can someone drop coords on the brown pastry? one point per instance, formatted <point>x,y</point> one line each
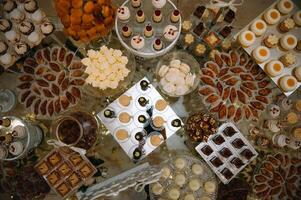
<point>73,180</point>
<point>212,39</point>
<point>63,189</point>
<point>86,170</point>
<point>43,168</point>
<point>53,178</point>
<point>64,169</point>
<point>76,159</point>
<point>54,159</point>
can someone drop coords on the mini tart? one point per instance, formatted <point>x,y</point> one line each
<point>157,44</point>
<point>297,73</point>
<point>288,59</point>
<point>272,16</point>
<point>122,134</point>
<point>200,49</point>
<point>288,83</point>
<point>285,6</point>
<point>186,26</point>
<point>261,54</point>
<point>297,18</point>
<point>274,68</point>
<point>157,16</point>
<point>246,38</point>
<point>288,42</point>
<point>21,48</point>
<point>258,27</point>
<point>189,39</point>
<point>271,41</point>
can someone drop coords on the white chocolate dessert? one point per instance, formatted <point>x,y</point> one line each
<point>170,33</point>
<point>288,42</point>
<point>47,28</point>
<point>272,16</point>
<point>34,38</point>
<point>258,27</point>
<point>12,36</point>
<point>261,54</point>
<point>285,6</point>
<point>16,148</point>
<point>247,38</point>
<point>274,68</point>
<point>123,13</point>
<point>288,83</point>
<point>137,42</point>
<point>17,15</point>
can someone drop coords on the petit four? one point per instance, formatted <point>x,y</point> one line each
<point>274,68</point>
<point>288,42</point>
<point>200,49</point>
<point>180,163</point>
<point>124,117</point>
<point>7,59</point>
<point>136,3</point>
<point>47,28</point>
<point>53,178</point>
<point>297,73</point>
<point>8,5</point>
<point>170,33</point>
<point>261,54</point>
<point>297,18</point>
<point>288,83</point>
<point>287,25</point>
<point>123,13</point>
<point>199,29</point>
<point>37,16</point>
<point>174,194</point>
<point>230,16</point>
<point>122,134</point>
<point>272,16</point>
<point>86,170</point>
<point>288,59</point>
<point>5,25</point>
<point>156,140</point>
<point>246,38</point>
<point>210,186</point>
<point>175,16</point>
<point>292,118</point>
<point>271,41</point>
<point>148,31</point>
<point>126,31</point>
<point>285,6</point>
<point>212,39</point>
<point>63,189</point>
<point>226,31</point>
<point>3,48</point>
<point>30,6</point>
<point>12,36</point>
<point>166,172</point>
<point>258,27</point>
<point>73,179</point>
<point>189,197</point>
<point>157,188</point>
<point>197,169</point>
<point>199,11</point>
<point>180,179</point>
<point>161,104</point>
<point>157,16</point>
<point>158,44</point>
<point>138,42</point>
<point>186,26</point>
<point>16,148</point>
<point>189,39</point>
<point>43,168</point>
<point>140,16</point>
<point>158,122</point>
<point>194,184</point>
<point>274,111</point>
<point>124,100</point>
<point>34,38</point>
<point>76,159</point>
<point>21,48</point>
<point>64,169</point>
<point>159,3</point>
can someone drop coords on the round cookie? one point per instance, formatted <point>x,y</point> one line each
<point>157,188</point>
<point>197,169</point>
<point>180,163</point>
<point>174,194</point>
<point>194,185</point>
<point>210,186</point>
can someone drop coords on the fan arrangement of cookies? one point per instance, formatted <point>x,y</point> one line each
<point>227,152</point>
<point>65,170</point>
<point>273,40</point>
<point>146,32</point>
<point>140,120</point>
<point>186,178</point>
<point>24,26</point>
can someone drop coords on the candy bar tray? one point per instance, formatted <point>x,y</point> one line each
<point>74,169</point>
<point>138,29</point>
<point>226,144</point>
<point>276,52</point>
<point>169,182</point>
<point>113,124</point>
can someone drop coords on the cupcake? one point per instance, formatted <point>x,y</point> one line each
<point>136,3</point>
<point>159,3</point>
<point>12,36</point>
<point>288,83</point>
<point>200,49</point>
<point>37,16</point>
<point>5,25</point>
<point>7,59</point>
<point>288,59</point>
<point>34,38</point>
<point>186,26</point>
<point>123,13</point>
<point>246,38</point>
<point>21,48</point>
<point>3,48</point>
<point>287,25</point>
<point>189,39</point>
<point>297,73</point>
<point>126,31</point>
<point>137,42</point>
<point>26,27</point>
<point>157,44</point>
<point>47,28</point>
<point>261,54</point>
<point>285,6</point>
<point>157,16</point>
<point>30,6</point>
<point>170,33</point>
<point>297,18</point>
<point>175,16</point>
<point>272,16</point>
<point>9,5</point>
<point>148,31</point>
<point>140,17</point>
<point>288,42</point>
<point>274,68</point>
<point>271,41</point>
<point>258,27</point>
<point>17,16</point>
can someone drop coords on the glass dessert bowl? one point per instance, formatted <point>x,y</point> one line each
<point>177,74</point>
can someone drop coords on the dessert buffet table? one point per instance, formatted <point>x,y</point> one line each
<point>174,102</point>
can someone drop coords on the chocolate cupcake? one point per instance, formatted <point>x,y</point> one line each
<point>26,27</point>
<point>9,5</point>
<point>21,48</point>
<point>30,6</point>
<point>3,48</point>
<point>5,25</point>
<point>47,28</point>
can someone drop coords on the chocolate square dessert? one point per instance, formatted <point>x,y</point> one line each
<point>212,39</point>
<point>53,178</point>
<point>199,29</point>
<point>226,31</point>
<point>54,159</point>
<point>227,173</point>
<point>230,16</point>
<point>63,189</point>
<point>199,11</point>
<point>74,180</point>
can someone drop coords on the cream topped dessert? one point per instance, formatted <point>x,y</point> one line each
<point>159,3</point>
<point>246,38</point>
<point>123,13</point>
<point>37,16</point>
<point>34,38</point>
<point>9,5</point>
<point>272,16</point>
<point>137,42</point>
<point>16,148</point>
<point>274,68</point>
<point>271,41</point>
<point>274,111</point>
<point>170,32</point>
<point>17,16</point>
<point>7,59</point>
